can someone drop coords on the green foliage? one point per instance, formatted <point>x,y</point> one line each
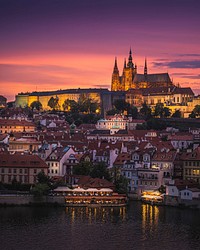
<point>43,178</point>
<point>141,126</point>
<point>196,112</point>
<point>43,185</point>
<point>84,105</point>
<point>36,105</point>
<point>121,105</point>
<point>161,111</point>
<point>145,111</point>
<point>156,124</point>
<point>70,105</point>
<point>83,168</point>
<point>98,170</point>
<point>176,114</point>
<point>40,189</point>
<point>53,103</point>
<point>133,111</point>
<point>121,185</point>
<point>112,112</point>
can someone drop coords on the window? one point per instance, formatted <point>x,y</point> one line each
<point>2,170</point>
<point>20,171</point>
<point>35,171</point>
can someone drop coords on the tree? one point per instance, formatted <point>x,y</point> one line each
<point>83,168</point>
<point>121,185</point>
<point>156,124</point>
<point>121,105</point>
<point>100,170</point>
<point>53,103</point>
<point>161,111</point>
<point>43,178</point>
<point>43,185</point>
<point>40,189</point>
<point>133,111</point>
<point>177,114</point>
<point>196,112</point>
<point>112,112</point>
<point>36,105</point>
<point>166,112</point>
<point>145,111</point>
<point>158,112</point>
<point>71,105</point>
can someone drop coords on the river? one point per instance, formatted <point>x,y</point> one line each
<point>138,226</point>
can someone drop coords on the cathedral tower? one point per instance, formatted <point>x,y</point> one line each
<point>115,85</point>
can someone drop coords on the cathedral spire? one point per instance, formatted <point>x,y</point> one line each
<point>130,62</point>
<point>145,67</point>
<point>115,70</point>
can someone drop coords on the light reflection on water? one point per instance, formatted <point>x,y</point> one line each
<point>138,226</point>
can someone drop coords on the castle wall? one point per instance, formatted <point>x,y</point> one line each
<point>21,100</point>
<point>26,100</point>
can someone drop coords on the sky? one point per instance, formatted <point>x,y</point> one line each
<point>60,44</point>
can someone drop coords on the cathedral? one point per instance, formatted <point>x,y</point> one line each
<point>130,79</point>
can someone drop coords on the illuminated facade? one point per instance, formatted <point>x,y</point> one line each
<point>96,95</point>
<point>130,79</point>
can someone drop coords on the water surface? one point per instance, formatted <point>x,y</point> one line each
<point>139,226</point>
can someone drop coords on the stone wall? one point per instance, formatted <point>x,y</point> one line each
<point>30,199</point>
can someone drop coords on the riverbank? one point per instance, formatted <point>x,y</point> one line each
<point>30,200</point>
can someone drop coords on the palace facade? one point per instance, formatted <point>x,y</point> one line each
<point>130,79</point>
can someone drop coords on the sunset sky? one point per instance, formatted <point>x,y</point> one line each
<point>60,44</point>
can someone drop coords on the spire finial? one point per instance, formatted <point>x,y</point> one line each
<point>115,66</point>
<point>145,66</point>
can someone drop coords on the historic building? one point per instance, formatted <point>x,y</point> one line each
<point>130,79</point>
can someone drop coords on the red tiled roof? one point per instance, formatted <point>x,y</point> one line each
<point>20,161</point>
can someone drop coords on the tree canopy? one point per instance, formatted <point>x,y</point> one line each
<point>98,170</point>
<point>36,105</point>
<point>196,112</point>
<point>83,105</point>
<point>161,111</point>
<point>53,103</point>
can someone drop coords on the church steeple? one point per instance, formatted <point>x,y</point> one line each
<point>130,62</point>
<point>145,67</point>
<point>115,85</point>
<point>115,70</point>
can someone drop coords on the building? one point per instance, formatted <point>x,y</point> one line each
<point>3,101</point>
<point>118,122</point>
<point>57,159</point>
<point>130,79</point>
<point>22,168</point>
<point>102,96</point>
<point>191,165</point>
<point>28,144</point>
<point>13,125</point>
